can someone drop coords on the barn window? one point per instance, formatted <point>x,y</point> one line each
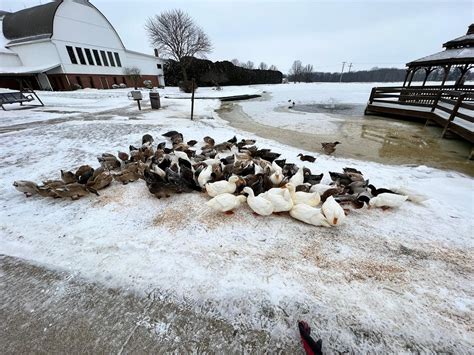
<point>80,54</point>
<point>158,66</point>
<point>72,56</point>
<point>96,56</point>
<point>117,59</point>
<point>89,56</point>
<point>104,58</point>
<point>111,59</point>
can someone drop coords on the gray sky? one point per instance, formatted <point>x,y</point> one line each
<point>368,33</point>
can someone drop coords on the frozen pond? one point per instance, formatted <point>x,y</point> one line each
<point>328,113</point>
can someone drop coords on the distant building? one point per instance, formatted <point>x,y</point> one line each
<point>59,44</point>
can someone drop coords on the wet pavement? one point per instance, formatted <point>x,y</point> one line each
<point>373,138</point>
<point>45,311</point>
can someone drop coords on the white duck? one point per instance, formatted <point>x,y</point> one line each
<point>179,154</point>
<point>158,170</point>
<point>225,202</point>
<point>298,178</point>
<point>277,177</point>
<point>258,204</point>
<point>387,200</point>
<point>211,161</point>
<point>333,211</point>
<point>308,198</point>
<point>320,188</point>
<point>310,215</point>
<point>205,176</point>
<point>280,199</point>
<point>219,187</point>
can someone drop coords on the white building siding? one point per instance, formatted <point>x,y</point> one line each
<point>9,60</point>
<point>147,64</point>
<point>33,54</point>
<point>84,25</point>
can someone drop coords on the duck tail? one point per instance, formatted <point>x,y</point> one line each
<point>94,191</point>
<point>412,195</point>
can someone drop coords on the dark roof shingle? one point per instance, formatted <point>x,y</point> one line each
<point>30,22</point>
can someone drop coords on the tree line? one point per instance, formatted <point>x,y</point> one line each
<point>305,73</point>
<point>251,65</point>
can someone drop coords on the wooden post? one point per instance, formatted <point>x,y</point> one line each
<point>435,102</point>
<point>446,73</point>
<point>372,94</point>
<point>461,79</point>
<point>427,74</point>
<point>453,114</point>
<point>139,107</point>
<point>412,75</point>
<point>406,77</point>
<point>192,98</point>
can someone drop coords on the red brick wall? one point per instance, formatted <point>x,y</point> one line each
<point>62,82</point>
<point>104,81</point>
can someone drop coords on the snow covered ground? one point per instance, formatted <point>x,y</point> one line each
<point>397,281</point>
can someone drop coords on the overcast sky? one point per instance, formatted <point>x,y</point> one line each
<point>323,33</point>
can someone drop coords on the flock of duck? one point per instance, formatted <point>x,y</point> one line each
<point>231,173</point>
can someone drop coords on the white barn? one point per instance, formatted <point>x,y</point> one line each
<point>65,43</point>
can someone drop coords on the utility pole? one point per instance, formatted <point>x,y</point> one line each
<point>350,66</point>
<point>342,71</point>
<point>193,83</point>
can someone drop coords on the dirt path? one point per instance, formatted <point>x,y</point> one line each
<point>371,138</point>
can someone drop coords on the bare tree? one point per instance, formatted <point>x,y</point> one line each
<point>248,65</point>
<point>134,74</point>
<point>296,71</point>
<point>236,62</point>
<point>273,67</point>
<point>263,66</point>
<point>306,74</point>
<point>176,36</point>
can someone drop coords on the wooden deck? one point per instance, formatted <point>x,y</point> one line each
<point>451,109</point>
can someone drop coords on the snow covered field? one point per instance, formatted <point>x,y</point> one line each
<point>396,281</point>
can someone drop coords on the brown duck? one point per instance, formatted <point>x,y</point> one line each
<point>309,158</point>
<point>329,148</point>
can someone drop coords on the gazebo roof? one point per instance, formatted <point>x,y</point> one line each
<point>448,56</point>
<point>466,40</point>
<point>458,51</point>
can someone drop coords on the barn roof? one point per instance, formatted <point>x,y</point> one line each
<point>33,22</point>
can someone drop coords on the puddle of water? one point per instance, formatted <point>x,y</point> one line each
<point>333,108</point>
<point>374,138</point>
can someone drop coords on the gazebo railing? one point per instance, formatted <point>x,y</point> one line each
<point>452,108</point>
<point>417,96</point>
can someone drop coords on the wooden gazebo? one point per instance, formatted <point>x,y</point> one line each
<point>458,55</point>
<point>450,106</point>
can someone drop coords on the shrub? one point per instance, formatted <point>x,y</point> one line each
<point>187,86</point>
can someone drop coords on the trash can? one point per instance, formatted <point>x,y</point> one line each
<point>155,100</point>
